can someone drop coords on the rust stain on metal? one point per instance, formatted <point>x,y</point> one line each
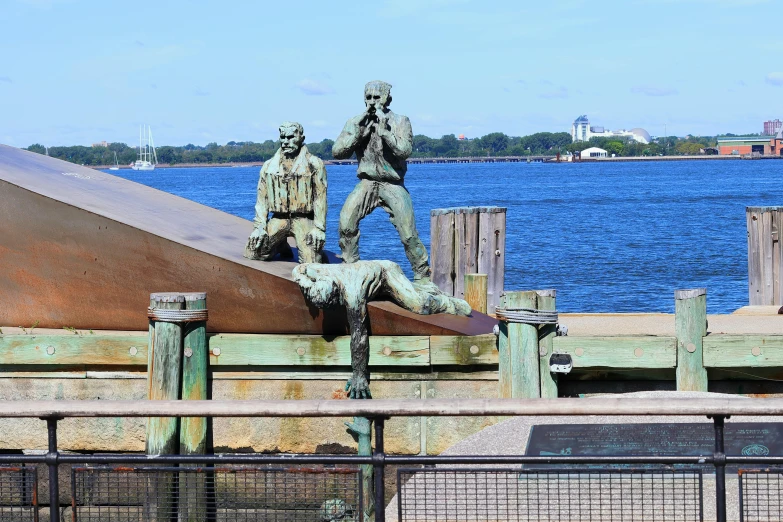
<point>63,270</point>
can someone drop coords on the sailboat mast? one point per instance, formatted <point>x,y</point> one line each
<point>152,146</point>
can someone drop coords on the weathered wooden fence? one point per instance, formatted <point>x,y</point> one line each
<point>764,255</point>
<point>518,357</point>
<point>468,240</point>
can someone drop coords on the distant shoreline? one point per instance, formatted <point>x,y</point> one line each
<point>441,161</point>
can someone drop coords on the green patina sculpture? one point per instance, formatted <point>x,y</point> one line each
<point>352,286</point>
<point>292,186</point>
<point>382,142</point>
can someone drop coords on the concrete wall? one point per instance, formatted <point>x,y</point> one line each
<point>403,435</point>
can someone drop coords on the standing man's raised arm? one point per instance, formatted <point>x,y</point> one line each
<point>346,142</point>
<point>399,137</point>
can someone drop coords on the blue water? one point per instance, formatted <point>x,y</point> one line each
<point>610,237</point>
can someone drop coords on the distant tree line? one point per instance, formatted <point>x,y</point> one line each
<point>493,144</point>
<point>668,146</point>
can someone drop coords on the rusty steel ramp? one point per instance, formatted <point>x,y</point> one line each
<point>84,249</point>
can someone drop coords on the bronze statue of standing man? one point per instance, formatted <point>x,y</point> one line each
<point>382,142</point>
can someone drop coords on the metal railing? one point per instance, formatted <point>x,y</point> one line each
<point>379,411</point>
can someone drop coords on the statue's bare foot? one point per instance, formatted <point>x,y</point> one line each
<point>358,387</point>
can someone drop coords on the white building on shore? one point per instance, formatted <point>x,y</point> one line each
<point>582,131</point>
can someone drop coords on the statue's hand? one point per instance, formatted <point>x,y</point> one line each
<point>366,130</point>
<point>316,238</point>
<point>383,122</point>
<point>358,387</point>
<point>257,238</point>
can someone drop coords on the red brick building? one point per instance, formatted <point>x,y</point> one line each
<point>741,145</point>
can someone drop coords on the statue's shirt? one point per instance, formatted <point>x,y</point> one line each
<point>290,191</point>
<point>377,160</point>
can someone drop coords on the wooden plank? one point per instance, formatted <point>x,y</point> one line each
<point>523,349</point>
<point>630,352</point>
<point>476,291</point>
<point>313,350</point>
<point>546,336</point>
<point>442,249</point>
<point>164,383</point>
<point>331,375</point>
<point>766,258</point>
<point>193,430</point>
<point>111,350</point>
<point>463,349</point>
<point>505,374</point>
<point>690,327</point>
<point>755,294</point>
<point>743,351</point>
<point>775,242</point>
<point>491,255</point>
<point>466,222</point>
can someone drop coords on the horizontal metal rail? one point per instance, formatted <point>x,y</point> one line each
<point>393,408</point>
<point>718,409</point>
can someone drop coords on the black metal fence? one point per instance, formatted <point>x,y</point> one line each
<point>330,487</point>
<point>230,494</point>
<point>515,495</point>
<point>761,494</point>
<point>18,493</point>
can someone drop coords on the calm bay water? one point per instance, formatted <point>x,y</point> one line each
<point>610,237</point>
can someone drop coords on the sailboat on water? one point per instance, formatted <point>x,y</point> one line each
<point>148,158</point>
<point>116,164</point>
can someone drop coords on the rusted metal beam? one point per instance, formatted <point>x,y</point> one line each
<point>393,407</point>
<point>84,249</point>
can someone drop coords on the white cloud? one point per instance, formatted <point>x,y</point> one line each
<point>313,87</point>
<point>654,91</point>
<point>6,79</point>
<point>775,78</point>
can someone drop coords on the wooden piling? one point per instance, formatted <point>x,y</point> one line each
<point>194,430</point>
<point>467,240</point>
<point>442,250</point>
<point>690,309</point>
<point>164,374</point>
<point>518,345</point>
<point>764,255</point>
<point>492,253</point>
<point>164,383</point>
<point>546,300</point>
<point>476,291</point>
<point>193,436</point>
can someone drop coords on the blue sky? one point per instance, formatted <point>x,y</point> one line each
<point>79,71</point>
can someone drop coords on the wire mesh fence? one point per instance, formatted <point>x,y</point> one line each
<point>18,494</point>
<point>549,495</point>
<point>230,494</point>
<point>761,494</point>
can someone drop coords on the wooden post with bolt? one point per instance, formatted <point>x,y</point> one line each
<point>690,310</point>
<point>546,334</point>
<point>177,369</point>
<point>519,352</point>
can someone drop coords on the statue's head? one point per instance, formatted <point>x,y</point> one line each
<point>377,94</point>
<point>291,138</point>
<point>318,286</point>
